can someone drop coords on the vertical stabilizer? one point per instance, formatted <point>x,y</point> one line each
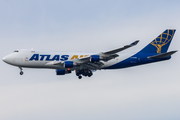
<point>161,43</point>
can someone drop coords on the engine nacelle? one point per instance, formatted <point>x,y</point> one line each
<point>68,64</point>
<point>62,72</point>
<point>95,58</point>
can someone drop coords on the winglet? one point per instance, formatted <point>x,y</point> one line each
<point>134,43</point>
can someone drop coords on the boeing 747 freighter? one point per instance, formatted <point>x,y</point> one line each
<point>84,63</point>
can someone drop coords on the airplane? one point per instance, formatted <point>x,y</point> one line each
<point>85,63</point>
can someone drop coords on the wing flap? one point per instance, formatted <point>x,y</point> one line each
<point>93,66</point>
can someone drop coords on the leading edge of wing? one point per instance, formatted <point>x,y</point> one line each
<point>121,49</point>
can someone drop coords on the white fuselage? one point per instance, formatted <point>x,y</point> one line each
<point>45,59</point>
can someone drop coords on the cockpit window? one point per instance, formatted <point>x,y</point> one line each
<point>16,51</point>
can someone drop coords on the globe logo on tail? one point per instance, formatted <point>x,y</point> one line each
<point>162,40</point>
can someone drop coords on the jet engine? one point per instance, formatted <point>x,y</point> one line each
<point>68,64</point>
<point>62,72</point>
<point>94,58</point>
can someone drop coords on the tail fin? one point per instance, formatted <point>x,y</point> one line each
<point>160,44</point>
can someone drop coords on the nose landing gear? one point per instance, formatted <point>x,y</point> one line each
<point>21,72</point>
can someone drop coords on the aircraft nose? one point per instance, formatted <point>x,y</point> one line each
<point>8,59</point>
<point>4,59</point>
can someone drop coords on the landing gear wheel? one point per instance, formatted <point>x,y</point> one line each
<point>90,73</point>
<point>79,77</point>
<point>21,73</point>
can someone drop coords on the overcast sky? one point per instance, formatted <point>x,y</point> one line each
<point>148,92</point>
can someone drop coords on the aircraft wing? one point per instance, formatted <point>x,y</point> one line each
<point>121,49</point>
<point>94,62</point>
<point>106,56</point>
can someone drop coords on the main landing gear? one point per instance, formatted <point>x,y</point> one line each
<point>80,77</point>
<point>84,72</point>
<point>21,72</point>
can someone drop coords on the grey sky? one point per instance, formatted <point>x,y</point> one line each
<point>139,93</point>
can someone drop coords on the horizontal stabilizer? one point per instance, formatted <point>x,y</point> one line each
<point>163,55</point>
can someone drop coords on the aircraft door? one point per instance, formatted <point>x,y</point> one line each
<point>26,60</point>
